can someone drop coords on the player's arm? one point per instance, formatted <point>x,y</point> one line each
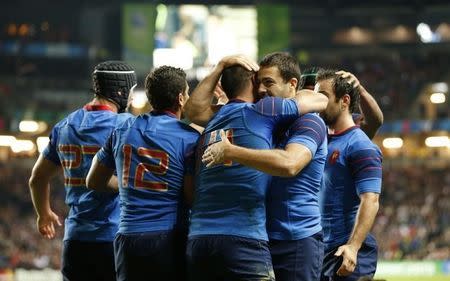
<point>101,174</point>
<point>372,115</point>
<point>365,217</point>
<point>309,101</point>
<point>101,177</point>
<point>43,171</point>
<point>365,166</point>
<point>199,108</point>
<point>276,162</point>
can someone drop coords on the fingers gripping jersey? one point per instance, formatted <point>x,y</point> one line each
<point>230,198</point>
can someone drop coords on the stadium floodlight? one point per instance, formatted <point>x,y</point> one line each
<point>424,32</point>
<point>437,98</point>
<point>22,146</point>
<point>139,99</point>
<point>29,126</point>
<point>7,140</point>
<point>440,87</point>
<point>437,141</point>
<point>42,143</point>
<point>392,143</point>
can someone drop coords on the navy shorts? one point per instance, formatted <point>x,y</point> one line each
<point>297,259</point>
<point>151,256</point>
<point>366,264</point>
<point>227,257</point>
<point>86,261</point>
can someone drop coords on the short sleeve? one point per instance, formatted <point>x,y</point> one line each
<point>366,168</point>
<point>51,151</point>
<point>106,155</point>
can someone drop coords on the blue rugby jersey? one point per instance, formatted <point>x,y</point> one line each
<point>353,167</point>
<point>151,153</point>
<point>293,203</point>
<point>93,216</point>
<point>230,198</point>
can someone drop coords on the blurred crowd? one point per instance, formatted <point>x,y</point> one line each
<point>21,246</point>
<point>395,80</point>
<point>414,217</point>
<point>413,221</point>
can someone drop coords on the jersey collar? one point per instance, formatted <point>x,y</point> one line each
<point>164,112</point>
<point>343,132</point>
<point>236,101</point>
<point>97,107</point>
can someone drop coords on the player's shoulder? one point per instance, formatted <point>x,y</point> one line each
<point>360,141</point>
<point>310,120</point>
<point>312,117</point>
<point>188,131</point>
<point>74,117</point>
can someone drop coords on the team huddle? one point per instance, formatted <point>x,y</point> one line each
<point>282,183</point>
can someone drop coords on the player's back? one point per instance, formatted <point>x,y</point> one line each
<point>293,202</point>
<point>93,216</point>
<point>152,152</point>
<point>230,198</point>
<point>353,163</point>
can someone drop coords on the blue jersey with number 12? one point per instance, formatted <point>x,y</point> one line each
<point>151,153</point>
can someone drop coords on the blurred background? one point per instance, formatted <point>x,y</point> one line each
<point>399,50</point>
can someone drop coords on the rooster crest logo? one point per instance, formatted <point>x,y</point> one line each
<point>334,156</point>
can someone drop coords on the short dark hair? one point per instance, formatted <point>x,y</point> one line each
<point>113,81</point>
<point>287,64</point>
<point>163,85</point>
<point>308,77</point>
<point>341,87</point>
<point>234,79</point>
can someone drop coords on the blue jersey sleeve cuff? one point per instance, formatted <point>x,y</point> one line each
<point>306,141</point>
<point>50,154</point>
<point>106,159</point>
<point>368,185</point>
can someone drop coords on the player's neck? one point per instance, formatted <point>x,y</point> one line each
<point>343,122</point>
<point>100,101</point>
<point>246,96</point>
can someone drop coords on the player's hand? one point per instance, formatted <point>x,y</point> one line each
<point>241,60</point>
<point>214,154</point>
<point>46,224</point>
<point>220,95</point>
<point>350,78</point>
<point>349,258</point>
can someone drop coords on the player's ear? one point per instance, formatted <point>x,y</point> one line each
<point>293,82</point>
<point>345,100</point>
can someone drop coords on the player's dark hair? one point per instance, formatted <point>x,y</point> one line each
<point>234,80</point>
<point>113,81</point>
<point>308,78</point>
<point>163,86</point>
<point>287,65</point>
<point>341,87</point>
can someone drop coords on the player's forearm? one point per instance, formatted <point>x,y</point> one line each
<point>365,217</point>
<point>40,196</point>
<point>309,101</point>
<point>100,178</point>
<point>113,185</point>
<point>373,116</point>
<point>274,162</point>
<point>198,107</point>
